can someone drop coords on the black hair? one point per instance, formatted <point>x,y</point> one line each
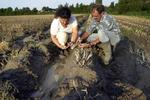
<point>63,12</point>
<point>100,8</point>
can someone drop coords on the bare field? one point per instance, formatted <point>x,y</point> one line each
<point>32,67</point>
<point>17,25</point>
<point>11,26</point>
<point>138,30</point>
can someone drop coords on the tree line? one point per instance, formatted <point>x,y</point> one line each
<point>24,11</point>
<point>78,8</point>
<point>122,7</point>
<point>130,6</point>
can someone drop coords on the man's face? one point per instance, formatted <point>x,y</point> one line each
<point>96,16</point>
<point>64,21</point>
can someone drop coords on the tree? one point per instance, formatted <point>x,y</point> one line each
<point>112,5</point>
<point>98,1</point>
<point>2,11</point>
<point>9,11</point>
<point>25,11</point>
<point>66,5</point>
<point>122,6</point>
<point>59,6</point>
<point>111,8</point>
<point>34,11</point>
<point>45,9</point>
<point>71,7</point>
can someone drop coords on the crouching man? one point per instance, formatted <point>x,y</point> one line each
<point>102,31</point>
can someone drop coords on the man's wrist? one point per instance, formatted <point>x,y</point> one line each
<point>80,40</point>
<point>90,44</point>
<point>72,42</point>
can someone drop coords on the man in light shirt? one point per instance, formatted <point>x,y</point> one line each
<point>102,31</point>
<point>64,30</point>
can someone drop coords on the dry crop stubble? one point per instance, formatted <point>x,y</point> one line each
<point>138,30</point>
<point>12,26</point>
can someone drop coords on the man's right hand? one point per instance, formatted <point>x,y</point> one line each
<point>84,45</point>
<point>79,40</point>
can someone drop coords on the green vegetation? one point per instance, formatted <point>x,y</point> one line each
<point>131,7</point>
<point>78,9</point>
<point>24,11</point>
<point>123,7</point>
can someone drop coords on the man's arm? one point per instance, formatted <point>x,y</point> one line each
<point>86,45</point>
<point>96,41</point>
<point>89,27</point>
<point>84,36</point>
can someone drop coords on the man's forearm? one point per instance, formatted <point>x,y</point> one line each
<point>84,36</point>
<point>96,41</point>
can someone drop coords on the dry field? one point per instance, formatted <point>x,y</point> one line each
<point>12,26</point>
<point>26,55</point>
<point>137,30</point>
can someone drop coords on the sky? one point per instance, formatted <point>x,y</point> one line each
<point>50,3</point>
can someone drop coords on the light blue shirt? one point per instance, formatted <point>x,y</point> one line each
<point>107,29</point>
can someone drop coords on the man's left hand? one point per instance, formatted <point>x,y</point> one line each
<point>84,45</point>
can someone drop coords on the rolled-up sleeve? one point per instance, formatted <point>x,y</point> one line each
<point>112,30</point>
<point>90,28</point>
<point>103,36</point>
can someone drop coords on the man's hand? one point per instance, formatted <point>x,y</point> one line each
<point>70,44</point>
<point>84,45</point>
<point>79,40</point>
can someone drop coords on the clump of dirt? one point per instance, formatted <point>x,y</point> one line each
<point>16,84</point>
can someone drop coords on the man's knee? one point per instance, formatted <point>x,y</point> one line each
<point>107,53</point>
